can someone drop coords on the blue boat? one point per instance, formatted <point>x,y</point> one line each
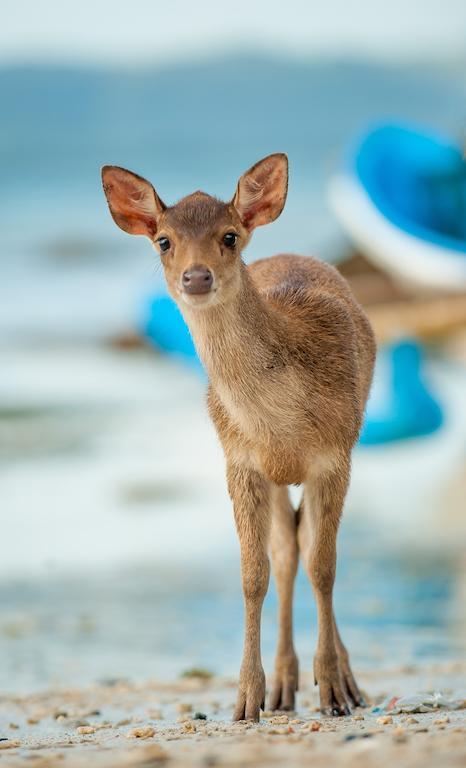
<point>401,198</point>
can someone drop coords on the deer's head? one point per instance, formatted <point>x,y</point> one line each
<point>200,239</point>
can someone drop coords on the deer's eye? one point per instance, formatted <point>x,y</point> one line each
<point>230,239</point>
<point>164,243</point>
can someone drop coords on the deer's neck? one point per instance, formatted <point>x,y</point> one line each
<point>236,340</point>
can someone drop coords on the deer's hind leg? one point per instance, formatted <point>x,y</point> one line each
<point>284,550</point>
<point>324,495</point>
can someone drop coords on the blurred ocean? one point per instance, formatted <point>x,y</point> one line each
<point>193,125</point>
<point>119,555</point>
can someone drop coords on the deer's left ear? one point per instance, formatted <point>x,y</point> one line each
<point>134,204</point>
<point>261,191</point>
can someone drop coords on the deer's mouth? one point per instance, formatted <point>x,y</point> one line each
<point>201,299</point>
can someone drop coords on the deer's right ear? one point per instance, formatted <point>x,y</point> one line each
<point>133,201</point>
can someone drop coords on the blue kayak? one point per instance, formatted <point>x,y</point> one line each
<point>401,198</point>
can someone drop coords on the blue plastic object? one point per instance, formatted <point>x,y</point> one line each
<point>165,327</point>
<point>401,405</point>
<point>417,181</point>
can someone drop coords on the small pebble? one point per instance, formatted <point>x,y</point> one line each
<point>442,721</point>
<point>399,734</point>
<point>85,729</point>
<point>279,719</point>
<point>189,727</point>
<point>411,721</point>
<point>141,733</point>
<point>13,726</point>
<point>199,716</point>
<point>385,720</point>
<point>314,725</point>
<point>296,721</point>
<point>32,721</point>
<point>183,706</point>
<point>358,717</point>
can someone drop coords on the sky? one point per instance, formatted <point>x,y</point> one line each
<point>136,32</point>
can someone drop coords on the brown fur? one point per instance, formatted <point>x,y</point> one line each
<point>289,354</point>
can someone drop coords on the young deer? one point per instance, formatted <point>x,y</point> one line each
<point>289,354</point>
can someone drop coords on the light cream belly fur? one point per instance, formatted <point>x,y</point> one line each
<point>271,439</point>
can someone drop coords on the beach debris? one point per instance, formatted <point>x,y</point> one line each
<point>189,727</point>
<point>60,714</point>
<point>279,719</point>
<point>9,744</point>
<point>421,702</point>
<point>385,720</point>
<point>442,721</point>
<point>84,730</point>
<point>102,726</point>
<point>198,672</point>
<point>145,732</point>
<point>199,716</point>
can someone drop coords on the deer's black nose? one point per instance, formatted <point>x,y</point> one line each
<point>197,280</point>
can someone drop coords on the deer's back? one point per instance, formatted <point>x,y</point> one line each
<point>323,322</point>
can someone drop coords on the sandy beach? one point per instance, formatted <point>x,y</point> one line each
<point>188,722</point>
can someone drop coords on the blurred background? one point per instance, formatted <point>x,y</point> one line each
<point>119,556</point>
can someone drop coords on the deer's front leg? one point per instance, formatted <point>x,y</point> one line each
<point>324,496</point>
<point>249,492</point>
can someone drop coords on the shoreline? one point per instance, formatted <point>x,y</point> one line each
<point>188,722</point>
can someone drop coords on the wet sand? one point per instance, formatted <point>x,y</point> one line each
<point>119,723</point>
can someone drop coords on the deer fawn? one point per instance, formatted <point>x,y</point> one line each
<point>289,354</point>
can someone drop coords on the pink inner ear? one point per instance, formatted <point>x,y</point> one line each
<point>133,202</point>
<point>261,192</point>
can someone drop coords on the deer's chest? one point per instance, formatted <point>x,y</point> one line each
<point>266,427</point>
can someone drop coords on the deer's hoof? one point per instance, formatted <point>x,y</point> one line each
<point>251,698</point>
<point>286,684</point>
<point>332,689</point>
